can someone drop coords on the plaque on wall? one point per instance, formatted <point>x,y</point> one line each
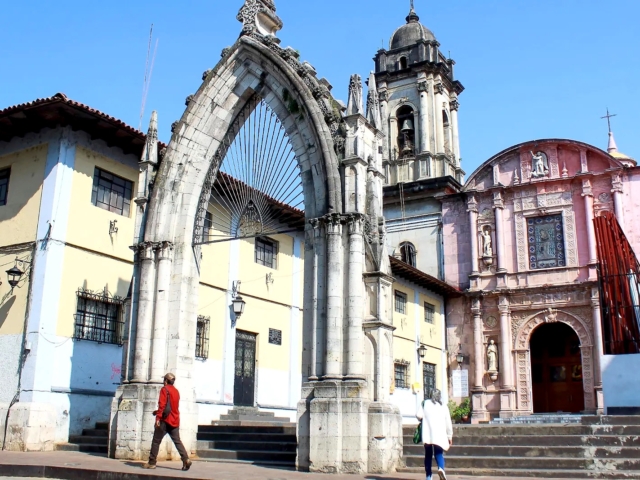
<point>275,336</point>
<point>460,379</point>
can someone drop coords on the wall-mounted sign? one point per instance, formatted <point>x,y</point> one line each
<point>275,336</point>
<point>460,379</point>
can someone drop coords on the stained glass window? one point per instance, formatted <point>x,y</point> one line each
<point>546,242</point>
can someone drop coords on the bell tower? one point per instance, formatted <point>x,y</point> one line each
<point>419,105</point>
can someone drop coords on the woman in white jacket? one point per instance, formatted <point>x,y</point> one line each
<point>437,432</point>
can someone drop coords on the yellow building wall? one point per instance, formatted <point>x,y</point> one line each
<point>213,304</point>
<point>13,305</point>
<point>19,217</point>
<point>88,225</point>
<point>91,271</point>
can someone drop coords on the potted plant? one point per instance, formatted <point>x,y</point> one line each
<point>460,413</point>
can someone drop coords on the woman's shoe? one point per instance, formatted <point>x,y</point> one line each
<point>186,465</point>
<point>441,473</point>
<point>149,466</point>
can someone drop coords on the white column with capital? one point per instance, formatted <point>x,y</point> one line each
<point>598,348</point>
<point>334,326</point>
<point>454,105</point>
<point>355,301</point>
<point>423,90</point>
<point>164,252</point>
<point>439,100</point>
<point>618,199</point>
<point>146,305</point>
<point>472,208</point>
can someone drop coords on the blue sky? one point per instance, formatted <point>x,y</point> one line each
<point>531,69</point>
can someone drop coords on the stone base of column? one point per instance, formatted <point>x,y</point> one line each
<point>132,423</point>
<point>501,278</point>
<point>508,406</point>
<point>31,426</point>
<point>479,411</point>
<point>341,431</point>
<point>599,400</point>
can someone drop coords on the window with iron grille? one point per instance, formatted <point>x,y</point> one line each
<point>111,192</point>
<point>4,185</point>
<point>267,252</point>
<point>429,378</point>
<point>429,311</point>
<point>208,225</point>
<point>401,302</point>
<point>202,338</point>
<point>99,317</point>
<point>401,374</point>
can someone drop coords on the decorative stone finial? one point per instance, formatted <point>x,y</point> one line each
<point>612,147</point>
<point>373,104</point>
<point>354,105</point>
<point>150,151</point>
<point>259,16</point>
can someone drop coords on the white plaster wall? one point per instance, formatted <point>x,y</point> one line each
<point>620,380</point>
<point>405,400</point>
<point>273,387</point>
<point>208,375</point>
<point>9,359</point>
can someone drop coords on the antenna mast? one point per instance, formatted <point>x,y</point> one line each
<point>148,70</point>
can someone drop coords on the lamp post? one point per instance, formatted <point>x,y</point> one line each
<point>460,356</point>
<point>14,274</point>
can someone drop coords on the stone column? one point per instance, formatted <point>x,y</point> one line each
<point>333,355</point>
<point>498,206</point>
<point>507,396</point>
<point>439,90</point>
<point>598,348</point>
<point>146,301</point>
<point>587,194</point>
<point>384,98</point>
<point>479,410</point>
<point>454,105</point>
<point>355,335</point>
<point>618,200</point>
<point>423,88</point>
<point>472,208</point>
<point>164,251</point>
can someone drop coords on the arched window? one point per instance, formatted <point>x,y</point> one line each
<point>403,63</point>
<point>408,253</point>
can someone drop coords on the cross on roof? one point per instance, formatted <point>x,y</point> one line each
<point>608,117</point>
<point>412,5</point>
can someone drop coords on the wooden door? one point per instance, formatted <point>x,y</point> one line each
<point>556,370</point>
<point>245,369</point>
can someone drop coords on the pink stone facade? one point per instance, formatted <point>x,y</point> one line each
<point>497,248</point>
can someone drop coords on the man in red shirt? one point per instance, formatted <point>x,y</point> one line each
<point>168,421</point>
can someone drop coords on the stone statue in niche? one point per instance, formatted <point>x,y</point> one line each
<point>487,248</point>
<point>539,165</point>
<point>492,360</point>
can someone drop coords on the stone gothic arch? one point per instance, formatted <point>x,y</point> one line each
<point>337,419</point>
<point>521,341</point>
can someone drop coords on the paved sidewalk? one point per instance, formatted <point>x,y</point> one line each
<point>75,465</point>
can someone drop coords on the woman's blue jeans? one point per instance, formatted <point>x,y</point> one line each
<point>429,452</point>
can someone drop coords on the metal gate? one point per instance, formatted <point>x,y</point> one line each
<point>429,379</point>
<point>245,369</point>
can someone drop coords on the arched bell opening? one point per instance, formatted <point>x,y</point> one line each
<point>407,134</point>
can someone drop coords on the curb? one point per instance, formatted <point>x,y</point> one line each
<point>71,473</point>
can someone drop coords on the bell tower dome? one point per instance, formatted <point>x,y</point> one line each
<point>419,106</point>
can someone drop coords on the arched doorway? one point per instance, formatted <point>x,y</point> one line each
<point>556,369</point>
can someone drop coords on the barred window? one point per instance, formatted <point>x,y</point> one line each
<point>4,185</point>
<point>401,374</point>
<point>99,317</point>
<point>267,252</point>
<point>401,302</point>
<point>111,192</point>
<point>202,337</point>
<point>429,311</point>
<point>208,225</point>
<point>429,378</point>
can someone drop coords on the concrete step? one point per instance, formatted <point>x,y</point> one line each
<point>89,440</point>
<point>248,446</point>
<point>539,419</point>
<point>531,473</point>
<point>252,418</point>
<point>531,451</point>
<point>527,463</point>
<point>544,440</point>
<point>250,423</point>
<point>629,420</point>
<point>250,437</point>
<point>94,432</point>
<point>85,448</point>
<point>253,456</point>
<point>547,429</point>
<point>102,426</point>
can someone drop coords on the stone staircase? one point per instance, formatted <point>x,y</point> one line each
<point>92,440</point>
<point>248,435</point>
<point>597,447</point>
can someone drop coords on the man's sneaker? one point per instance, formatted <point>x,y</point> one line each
<point>443,476</point>
<point>149,466</point>
<point>186,465</point>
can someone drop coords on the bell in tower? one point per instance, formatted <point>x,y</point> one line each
<point>406,138</point>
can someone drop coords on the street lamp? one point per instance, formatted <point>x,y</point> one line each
<point>422,350</point>
<point>14,275</point>
<point>238,306</point>
<point>460,356</point>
